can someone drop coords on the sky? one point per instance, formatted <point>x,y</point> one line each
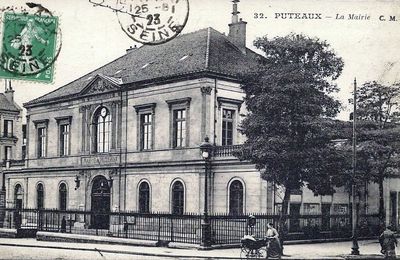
<point>91,36</point>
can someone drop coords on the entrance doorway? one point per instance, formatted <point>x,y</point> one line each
<point>294,211</point>
<point>326,212</point>
<point>100,218</point>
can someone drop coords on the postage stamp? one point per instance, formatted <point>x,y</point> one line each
<point>149,22</point>
<point>28,47</point>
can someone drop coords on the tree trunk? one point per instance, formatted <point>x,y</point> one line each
<point>382,214</point>
<point>283,217</point>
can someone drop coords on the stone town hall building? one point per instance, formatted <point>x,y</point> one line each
<point>126,136</point>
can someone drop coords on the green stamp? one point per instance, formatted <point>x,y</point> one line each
<point>28,47</point>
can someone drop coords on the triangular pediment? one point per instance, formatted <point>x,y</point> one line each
<point>101,84</point>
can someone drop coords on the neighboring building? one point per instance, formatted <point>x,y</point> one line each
<point>10,127</point>
<point>126,136</point>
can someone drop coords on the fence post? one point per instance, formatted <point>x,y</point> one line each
<point>159,228</point>
<point>172,229</point>
<point>2,206</point>
<point>70,222</point>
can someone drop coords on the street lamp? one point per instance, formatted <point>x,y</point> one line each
<point>355,248</point>
<point>206,153</point>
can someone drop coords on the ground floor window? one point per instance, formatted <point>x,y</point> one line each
<point>40,196</point>
<point>62,190</point>
<point>178,195</point>
<point>144,197</point>
<point>18,196</point>
<point>236,198</point>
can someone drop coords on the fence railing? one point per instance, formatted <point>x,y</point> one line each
<point>154,226</point>
<point>226,150</point>
<point>226,229</point>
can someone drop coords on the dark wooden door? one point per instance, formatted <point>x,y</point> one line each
<point>100,203</point>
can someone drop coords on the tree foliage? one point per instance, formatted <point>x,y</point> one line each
<point>288,125</point>
<point>378,134</point>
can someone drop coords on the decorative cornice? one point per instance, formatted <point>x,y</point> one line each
<point>145,106</point>
<point>41,121</point>
<point>63,118</point>
<point>206,90</point>
<point>82,109</point>
<point>222,100</point>
<point>100,86</point>
<point>172,102</point>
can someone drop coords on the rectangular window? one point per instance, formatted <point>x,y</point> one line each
<point>23,152</point>
<point>227,126</point>
<point>341,208</point>
<point>146,131</point>
<point>64,139</point>
<point>7,153</point>
<point>311,208</point>
<point>179,128</point>
<point>8,128</point>
<point>23,134</point>
<point>41,142</point>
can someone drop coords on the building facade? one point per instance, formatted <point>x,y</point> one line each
<point>10,127</point>
<point>126,137</point>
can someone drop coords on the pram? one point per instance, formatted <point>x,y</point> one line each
<point>252,248</point>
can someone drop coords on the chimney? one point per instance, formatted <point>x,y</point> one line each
<point>237,29</point>
<point>131,48</point>
<point>9,93</point>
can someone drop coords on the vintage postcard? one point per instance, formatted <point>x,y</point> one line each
<point>121,121</point>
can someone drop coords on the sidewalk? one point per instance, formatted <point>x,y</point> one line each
<point>369,249</point>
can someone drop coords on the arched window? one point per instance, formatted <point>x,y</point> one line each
<point>144,197</point>
<point>102,129</point>
<point>40,196</point>
<point>236,198</point>
<point>62,195</point>
<point>178,197</point>
<point>18,196</point>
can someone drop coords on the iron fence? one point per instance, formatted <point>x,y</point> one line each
<point>158,226</point>
<point>146,226</point>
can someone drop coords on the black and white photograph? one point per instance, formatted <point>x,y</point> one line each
<point>199,129</point>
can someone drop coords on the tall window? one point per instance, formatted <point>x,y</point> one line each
<point>7,153</point>
<point>18,196</point>
<point>227,126</point>
<point>236,198</point>
<point>144,197</point>
<point>102,124</point>
<point>23,134</point>
<point>146,131</point>
<point>40,196</point>
<point>179,128</point>
<point>41,142</point>
<point>23,142</point>
<point>178,197</point>
<point>64,139</point>
<point>62,195</point>
<point>8,128</point>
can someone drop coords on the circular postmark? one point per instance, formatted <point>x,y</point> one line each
<point>152,21</point>
<point>30,45</point>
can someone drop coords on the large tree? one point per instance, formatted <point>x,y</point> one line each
<point>378,134</point>
<point>289,106</point>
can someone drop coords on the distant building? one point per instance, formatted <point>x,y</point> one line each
<point>10,127</point>
<point>126,137</point>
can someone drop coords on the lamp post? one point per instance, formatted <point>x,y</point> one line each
<point>206,153</point>
<point>355,247</point>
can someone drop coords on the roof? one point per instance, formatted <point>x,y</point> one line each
<point>205,50</point>
<point>6,105</point>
